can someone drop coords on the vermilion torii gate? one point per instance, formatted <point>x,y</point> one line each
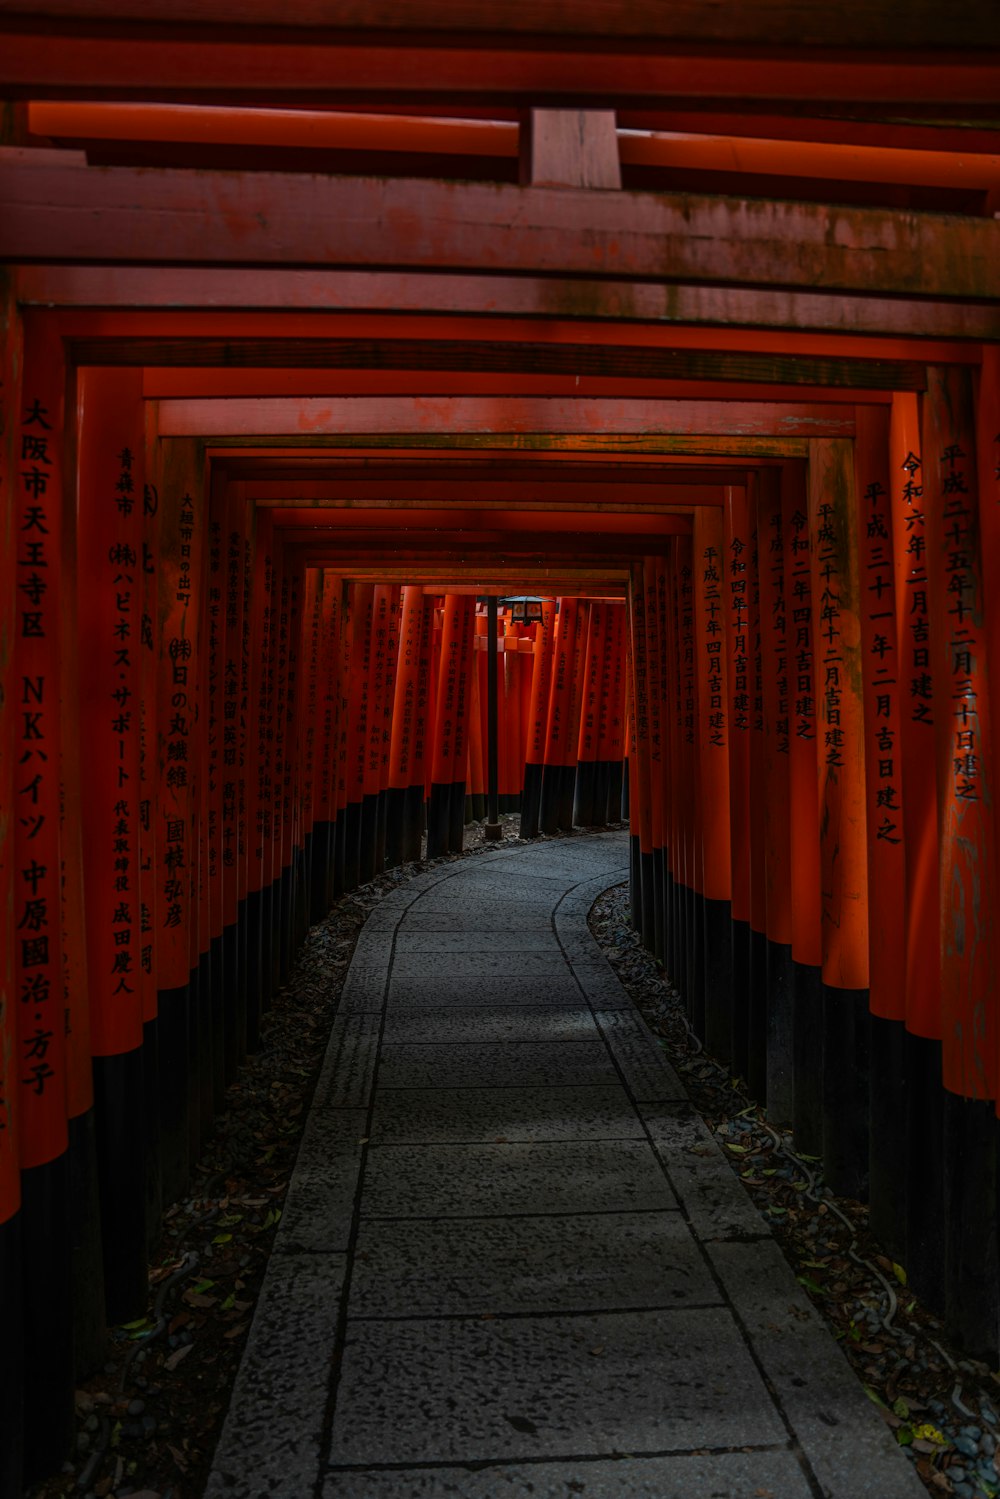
<point>311,322</point>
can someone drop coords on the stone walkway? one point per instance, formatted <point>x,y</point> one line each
<point>512,1260</point>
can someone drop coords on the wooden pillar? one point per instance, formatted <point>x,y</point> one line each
<point>885,822</point>
<point>541,679</point>
<point>40,1056</point>
<point>776,682</point>
<point>804,860</point>
<point>966,829</point>
<point>836,608</point>
<point>713,753</point>
<point>11,1305</point>
<point>736,545</point>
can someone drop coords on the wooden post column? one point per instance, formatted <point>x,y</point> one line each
<point>836,606</point>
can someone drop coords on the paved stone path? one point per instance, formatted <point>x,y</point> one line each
<point>513,1262</point>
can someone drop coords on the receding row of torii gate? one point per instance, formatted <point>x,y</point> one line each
<point>207,737</point>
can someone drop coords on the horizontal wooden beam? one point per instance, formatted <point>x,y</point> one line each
<point>866,24</point>
<point>679,306</point>
<point>53,208</point>
<point>571,360</point>
<point>274,62</point>
<point>544,495</point>
<point>597,445</point>
<point>216,384</point>
<point>527,417</point>
<point>426,526</point>
<point>179,136</point>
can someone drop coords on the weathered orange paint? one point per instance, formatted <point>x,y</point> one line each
<point>736,594</point>
<point>885,792</point>
<point>40,1061</point>
<point>804,824</point>
<point>777,701</point>
<point>840,746</point>
<point>959,649</point>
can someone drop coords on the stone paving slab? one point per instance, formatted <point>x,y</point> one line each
<point>491,1266</point>
<point>466,1181</point>
<point>647,1073</point>
<point>531,1387</point>
<point>724,1475</point>
<point>407,964</point>
<point>506,940</point>
<point>842,1435</point>
<point>467,909</point>
<point>319,1206</point>
<point>496,1064</point>
<point>270,1443</point>
<point>419,993</point>
<point>446,918</point>
<point>348,1071</point>
<point>717,1206</point>
<point>494,1023</point>
<point>468,1115</point>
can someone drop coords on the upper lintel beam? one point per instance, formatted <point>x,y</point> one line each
<point>54,208</point>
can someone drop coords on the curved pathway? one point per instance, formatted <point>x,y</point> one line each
<point>512,1260</point>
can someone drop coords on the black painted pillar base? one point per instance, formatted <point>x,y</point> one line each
<point>219,1039</point>
<point>268,944</point>
<point>321,851</point>
<point>599,808</point>
<point>584,791</point>
<point>47,1310</point>
<point>718,978</point>
<point>301,891</point>
<point>338,885</point>
<point>118,1105</point>
<point>807,1044</point>
<point>669,919</point>
<point>780,1090</point>
<point>887,1147</point>
<point>566,822</point>
<point>648,894</point>
<point>172,1005</point>
<point>395,816</point>
<point>413,824</point>
<point>11,1320</point>
<point>380,817</point>
<point>531,801</point>
<point>696,964</point>
<point>658,945</point>
<point>87,1277</point>
<point>970,1225</point>
<point>548,812</point>
<point>757,1019</point>
<point>739,1030</point>
<point>845,1091</point>
<point>193,1071</point>
<point>255,968</point>
<point>330,891</point>
<point>456,817</point>
<point>635,882</point>
<point>286,896</point>
<point>625,795</point>
<point>242,981</point>
<point>352,845</point>
<point>925,1237</point>
<point>233,1003</point>
<point>206,1091</point>
<point>438,812</point>
<point>477,810</point>
<point>150,1053</point>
